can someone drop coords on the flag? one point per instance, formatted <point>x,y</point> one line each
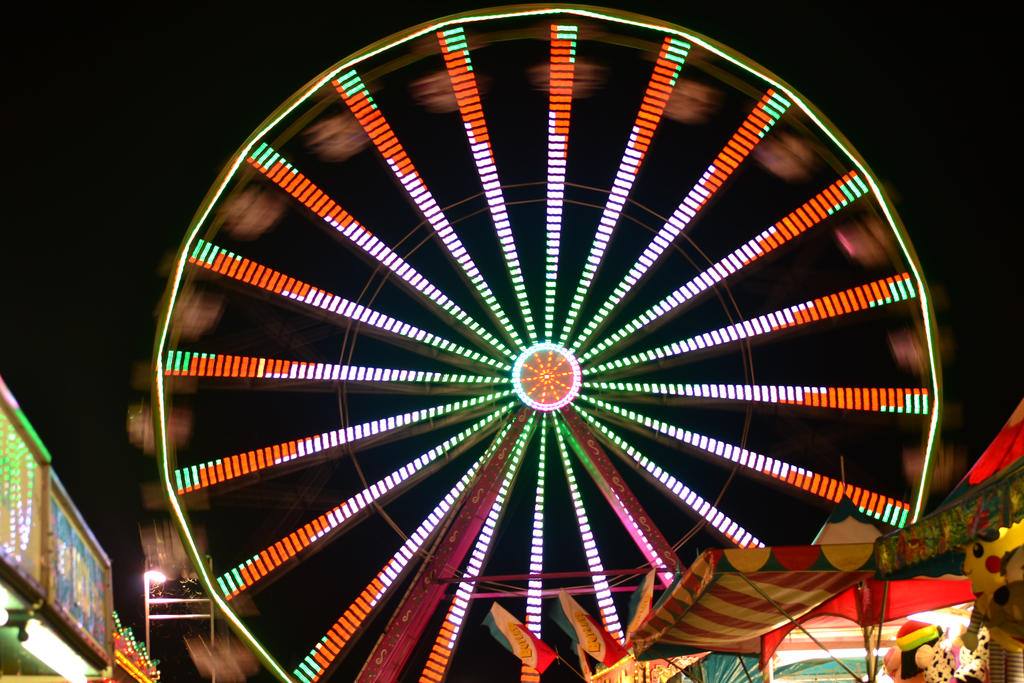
<point>586,631</point>
<point>518,639</point>
<point>640,604</point>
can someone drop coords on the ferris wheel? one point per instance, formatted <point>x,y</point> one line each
<point>523,300</point>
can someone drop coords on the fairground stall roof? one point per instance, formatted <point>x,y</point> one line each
<point>990,495</point>
<point>747,601</point>
<point>728,599</point>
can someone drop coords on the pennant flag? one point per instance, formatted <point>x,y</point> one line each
<point>586,631</point>
<point>640,604</point>
<point>518,639</point>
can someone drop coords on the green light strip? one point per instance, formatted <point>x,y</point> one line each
<point>386,142</point>
<point>467,95</point>
<point>249,462</point>
<point>211,257</point>
<point>676,489</point>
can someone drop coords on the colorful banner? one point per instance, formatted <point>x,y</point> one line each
<point>518,639</point>
<point>586,631</point>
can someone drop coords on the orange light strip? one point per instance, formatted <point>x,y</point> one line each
<point>273,556</point>
<point>195,477</point>
<point>560,81</point>
<point>878,293</point>
<point>455,51</point>
<point>666,69</point>
<point>224,365</point>
<point>354,93</point>
<point>886,508</point>
<point>760,121</point>
<point>278,170</point>
<point>877,399</point>
<point>213,258</point>
<point>819,207</point>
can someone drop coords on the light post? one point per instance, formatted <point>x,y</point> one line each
<point>148,579</point>
<point>155,576</point>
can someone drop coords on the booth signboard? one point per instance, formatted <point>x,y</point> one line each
<point>22,476</point>
<point>48,555</point>
<point>79,571</point>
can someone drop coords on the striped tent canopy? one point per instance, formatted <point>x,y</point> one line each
<point>728,599</point>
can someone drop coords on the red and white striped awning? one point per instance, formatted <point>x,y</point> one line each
<point>728,599</point>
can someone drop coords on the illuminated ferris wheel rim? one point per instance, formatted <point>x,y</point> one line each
<point>194,246</point>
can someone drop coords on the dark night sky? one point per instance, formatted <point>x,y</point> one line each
<point>117,121</point>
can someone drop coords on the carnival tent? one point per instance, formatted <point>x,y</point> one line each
<point>728,599</point>
<point>990,495</point>
<point>747,601</point>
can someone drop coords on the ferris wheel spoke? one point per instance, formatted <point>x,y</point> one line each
<point>909,400</point>
<point>283,373</point>
<point>354,93</point>
<point>606,606</point>
<point>886,508</point>
<point>326,445</point>
<point>409,621</point>
<point>279,171</point>
<point>460,71</point>
<point>760,121</point>
<point>646,535</point>
<point>560,84</point>
<point>535,586</point>
<point>436,667</point>
<point>353,620</point>
<point>278,557</point>
<point>673,488</point>
<point>827,202</point>
<point>659,89</point>
<point>889,290</point>
<point>223,262</point>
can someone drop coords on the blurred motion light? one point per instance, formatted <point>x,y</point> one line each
<point>52,652</point>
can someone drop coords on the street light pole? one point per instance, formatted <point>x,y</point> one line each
<point>148,579</point>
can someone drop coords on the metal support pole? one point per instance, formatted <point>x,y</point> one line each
<point>145,593</point>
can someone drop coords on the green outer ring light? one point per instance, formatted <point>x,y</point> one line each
<point>562,400</point>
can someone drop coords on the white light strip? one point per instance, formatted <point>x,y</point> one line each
<point>278,170</point>
<point>884,399</point>
<point>560,83</point>
<point>198,364</point>
<point>675,488</point>
<point>51,651</point>
<point>353,91</point>
<point>666,69</point>
<point>760,121</point>
<point>337,516</point>
<point>277,454</point>
<point>211,257</point>
<point>392,570</point>
<point>797,477</point>
<point>609,615</point>
<point>534,587</point>
<point>874,294</point>
<point>460,602</point>
<point>835,197</point>
<point>467,95</point>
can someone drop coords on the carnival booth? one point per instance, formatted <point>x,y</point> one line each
<point>979,527</point>
<point>742,605</point>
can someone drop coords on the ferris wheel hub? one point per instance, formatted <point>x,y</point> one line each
<point>546,377</point>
